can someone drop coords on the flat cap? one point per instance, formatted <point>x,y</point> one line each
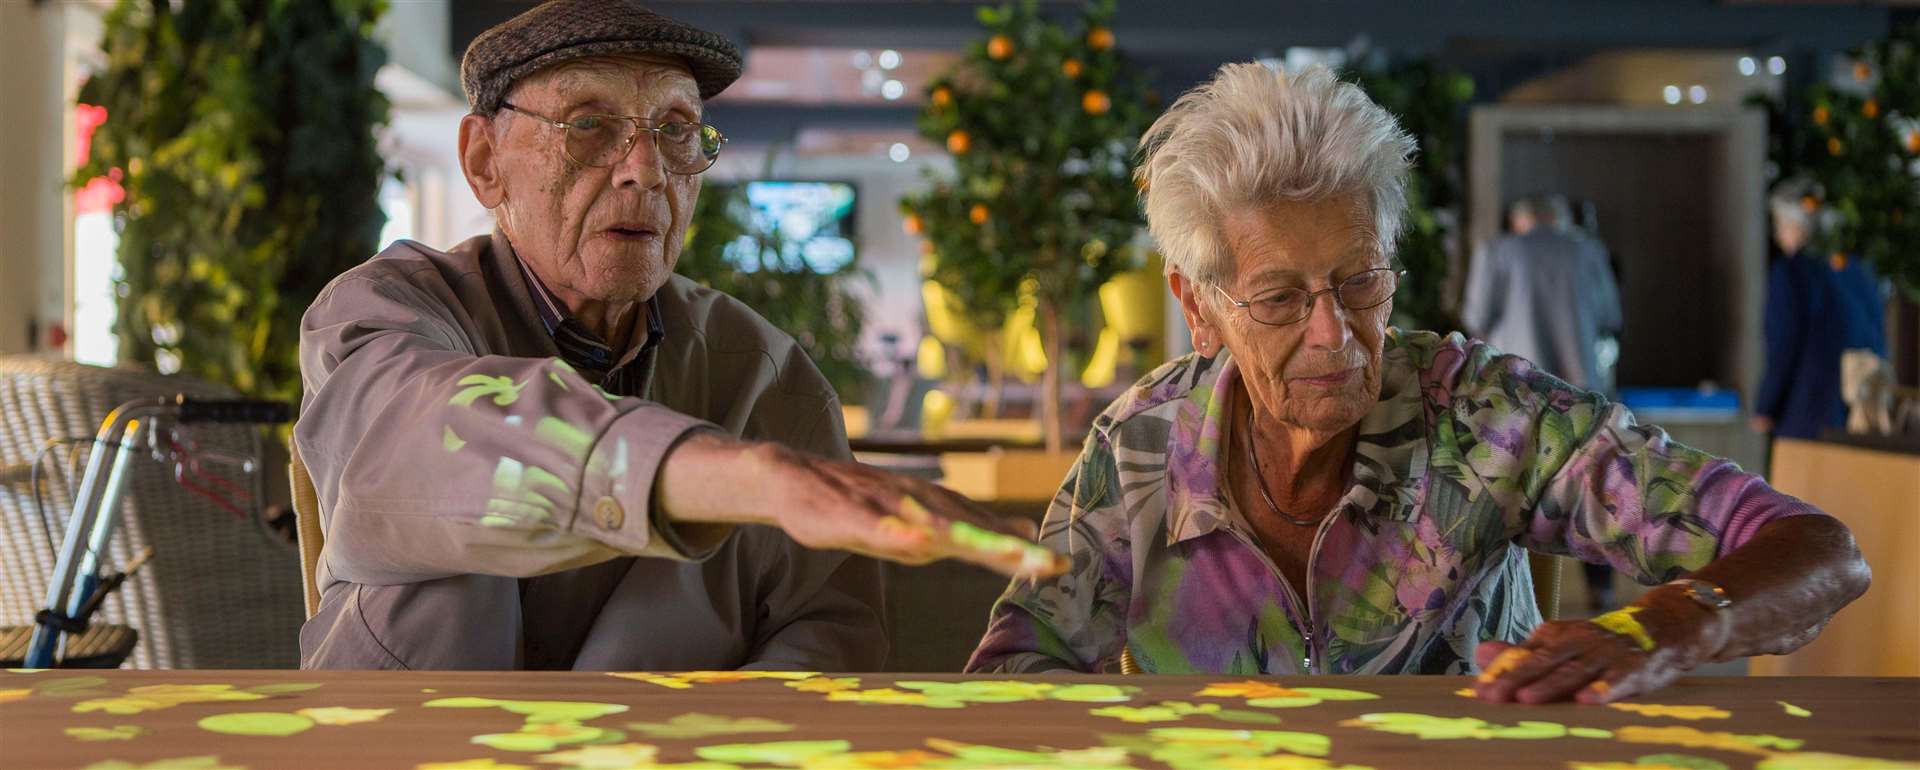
<point>560,30</point>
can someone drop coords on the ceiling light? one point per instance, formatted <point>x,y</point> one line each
<point>889,59</point>
<point>1672,93</point>
<point>899,152</point>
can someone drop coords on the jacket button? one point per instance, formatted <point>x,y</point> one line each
<point>608,513</point>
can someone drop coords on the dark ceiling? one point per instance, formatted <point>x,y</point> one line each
<point>1500,42</point>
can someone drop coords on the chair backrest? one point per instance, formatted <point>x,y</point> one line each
<point>1546,583</point>
<point>306,517</point>
<point>220,592</point>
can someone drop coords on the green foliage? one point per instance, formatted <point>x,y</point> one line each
<point>1861,148</point>
<point>1042,123</point>
<point>815,308</point>
<point>1430,101</point>
<point>243,133</point>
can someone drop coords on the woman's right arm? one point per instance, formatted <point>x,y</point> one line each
<point>1075,621</point>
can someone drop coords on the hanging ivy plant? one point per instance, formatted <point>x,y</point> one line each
<point>243,134</point>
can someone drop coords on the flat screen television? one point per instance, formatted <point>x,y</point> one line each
<point>815,218</point>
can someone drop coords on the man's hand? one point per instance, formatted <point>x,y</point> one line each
<point>1760,423</point>
<point>824,503</point>
<point>1626,652</point>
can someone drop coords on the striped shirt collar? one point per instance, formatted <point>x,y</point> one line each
<point>578,345</point>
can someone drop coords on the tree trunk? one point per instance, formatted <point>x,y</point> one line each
<point>996,379</point>
<point>1050,382</point>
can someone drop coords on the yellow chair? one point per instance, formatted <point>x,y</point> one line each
<point>306,518</point>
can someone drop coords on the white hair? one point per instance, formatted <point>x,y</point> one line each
<point>1253,136</point>
<point>1785,205</point>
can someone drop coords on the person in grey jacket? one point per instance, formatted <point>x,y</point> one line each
<point>541,449</point>
<point>1545,293</point>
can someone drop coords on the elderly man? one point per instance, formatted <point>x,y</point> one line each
<point>1313,491</point>
<point>529,448</point>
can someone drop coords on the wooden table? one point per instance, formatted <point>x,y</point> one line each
<point>275,719</point>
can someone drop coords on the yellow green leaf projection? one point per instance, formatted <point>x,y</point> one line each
<point>1428,727</point>
<point>114,733</point>
<point>338,715</point>
<point>705,725</point>
<point>155,697</point>
<point>481,763</point>
<point>1694,738</point>
<point>473,387</point>
<point>176,763</point>
<point>776,753</point>
<point>1621,621</point>
<point>257,723</point>
<point>826,684</point>
<point>1676,712</point>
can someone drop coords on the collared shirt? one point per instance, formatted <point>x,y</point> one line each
<point>622,374</point>
<point>456,452</point>
<point>1469,459</point>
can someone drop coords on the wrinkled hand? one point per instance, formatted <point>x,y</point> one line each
<point>824,503</point>
<point>853,507</point>
<point>1589,663</point>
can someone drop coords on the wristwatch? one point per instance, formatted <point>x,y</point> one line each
<point>1706,594</point>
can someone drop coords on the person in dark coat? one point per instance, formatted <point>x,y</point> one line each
<point>1817,307</point>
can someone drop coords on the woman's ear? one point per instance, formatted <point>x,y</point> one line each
<point>479,156</point>
<point>1206,337</point>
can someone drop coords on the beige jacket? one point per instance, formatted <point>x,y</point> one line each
<point>486,506</point>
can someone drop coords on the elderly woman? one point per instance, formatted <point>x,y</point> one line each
<point>1312,491</point>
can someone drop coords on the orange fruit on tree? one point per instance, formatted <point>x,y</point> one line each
<point>979,214</point>
<point>1820,115</point>
<point>1913,141</point>
<point>913,224</point>
<point>942,96</point>
<point>999,47</point>
<point>1809,204</point>
<point>959,142</point>
<point>1096,102</point>
<point>1100,38</point>
<point>1070,68</point>
<point>1837,261</point>
<point>1871,109</point>
<point>1861,71</point>
<point>1834,147</point>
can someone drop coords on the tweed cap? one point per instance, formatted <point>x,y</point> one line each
<point>560,30</point>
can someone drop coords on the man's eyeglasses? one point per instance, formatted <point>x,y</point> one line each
<point>1362,290</point>
<point>603,140</point>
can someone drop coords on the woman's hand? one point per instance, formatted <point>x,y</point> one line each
<point>1626,652</point>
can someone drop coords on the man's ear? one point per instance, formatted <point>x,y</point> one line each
<point>479,156</point>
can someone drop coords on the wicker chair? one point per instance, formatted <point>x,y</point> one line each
<point>219,592</point>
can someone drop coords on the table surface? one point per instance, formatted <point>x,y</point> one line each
<point>270,719</point>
